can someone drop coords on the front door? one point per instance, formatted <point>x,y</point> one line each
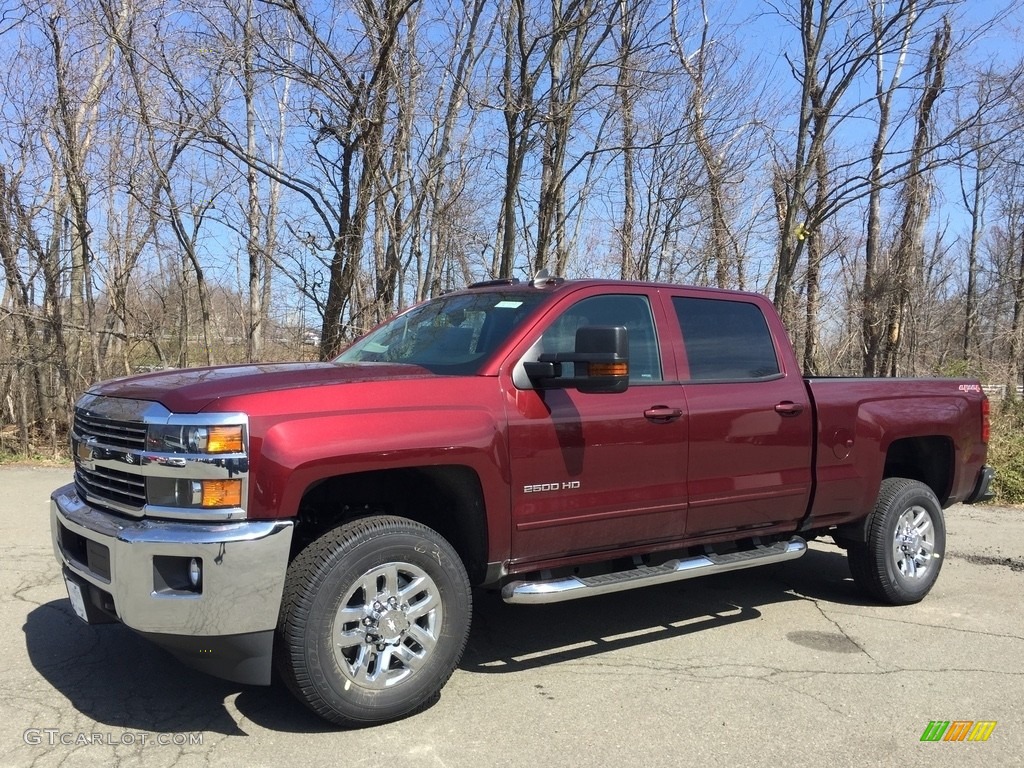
<point>596,472</point>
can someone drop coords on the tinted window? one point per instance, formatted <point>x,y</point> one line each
<point>633,312</point>
<point>725,339</point>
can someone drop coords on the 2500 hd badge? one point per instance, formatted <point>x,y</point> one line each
<point>569,485</point>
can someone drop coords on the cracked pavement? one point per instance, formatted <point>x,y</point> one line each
<point>787,664</point>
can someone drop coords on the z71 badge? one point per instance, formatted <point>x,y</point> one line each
<point>568,485</point>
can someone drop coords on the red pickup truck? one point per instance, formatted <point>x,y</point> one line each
<point>551,440</point>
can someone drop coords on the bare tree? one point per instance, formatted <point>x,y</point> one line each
<point>580,29</point>
<point>524,61</point>
<point>916,196</point>
<point>840,39</point>
<point>718,114</point>
<point>974,175</point>
<point>451,98</point>
<point>886,88</point>
<point>346,97</point>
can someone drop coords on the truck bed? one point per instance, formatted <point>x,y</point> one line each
<point>866,424</point>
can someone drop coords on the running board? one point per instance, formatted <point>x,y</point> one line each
<point>572,587</point>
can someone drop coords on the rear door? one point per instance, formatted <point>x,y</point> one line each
<point>750,419</point>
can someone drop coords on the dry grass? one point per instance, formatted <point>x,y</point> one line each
<point>1006,451</point>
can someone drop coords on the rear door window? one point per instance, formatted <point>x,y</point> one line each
<point>725,340</point>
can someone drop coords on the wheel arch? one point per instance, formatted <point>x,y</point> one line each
<point>928,459</point>
<point>446,498</point>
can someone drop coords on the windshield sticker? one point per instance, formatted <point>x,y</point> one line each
<point>508,305</point>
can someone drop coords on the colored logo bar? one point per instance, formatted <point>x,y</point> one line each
<point>958,730</point>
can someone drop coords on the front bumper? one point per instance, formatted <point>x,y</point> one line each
<point>224,625</point>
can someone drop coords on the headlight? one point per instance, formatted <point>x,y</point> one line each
<point>194,466</point>
<point>186,439</point>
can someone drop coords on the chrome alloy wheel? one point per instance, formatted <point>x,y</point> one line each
<point>388,624</point>
<point>914,542</point>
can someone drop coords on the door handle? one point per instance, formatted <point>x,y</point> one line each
<point>662,413</point>
<point>786,408</point>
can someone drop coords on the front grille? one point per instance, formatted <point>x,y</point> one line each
<point>107,437</point>
<point>99,484</point>
<point>108,432</point>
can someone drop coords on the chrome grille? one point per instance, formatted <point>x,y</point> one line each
<point>101,484</point>
<point>105,486</point>
<point>108,432</point>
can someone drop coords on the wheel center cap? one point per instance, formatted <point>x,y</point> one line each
<point>911,542</point>
<point>392,625</point>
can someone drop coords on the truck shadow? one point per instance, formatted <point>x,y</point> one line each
<point>512,638</point>
<point>119,680</point>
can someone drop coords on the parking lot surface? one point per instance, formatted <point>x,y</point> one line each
<point>777,666</point>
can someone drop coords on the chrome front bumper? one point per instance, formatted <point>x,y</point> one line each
<point>243,568</point>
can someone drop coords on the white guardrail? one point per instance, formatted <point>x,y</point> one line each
<point>998,391</point>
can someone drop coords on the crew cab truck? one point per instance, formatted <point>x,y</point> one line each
<point>550,439</point>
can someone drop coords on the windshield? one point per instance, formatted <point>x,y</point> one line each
<point>450,335</point>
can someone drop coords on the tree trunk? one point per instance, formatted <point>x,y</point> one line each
<point>909,254</point>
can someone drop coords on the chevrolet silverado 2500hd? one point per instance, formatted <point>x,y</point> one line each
<point>552,440</point>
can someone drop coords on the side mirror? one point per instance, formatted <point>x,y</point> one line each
<point>600,363</point>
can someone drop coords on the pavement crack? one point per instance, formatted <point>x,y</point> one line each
<point>926,625</point>
<point>825,703</point>
<point>844,633</point>
<point>1015,564</point>
<point>834,623</point>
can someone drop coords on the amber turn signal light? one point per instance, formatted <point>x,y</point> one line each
<point>224,440</point>
<point>222,493</point>
<point>608,369</point>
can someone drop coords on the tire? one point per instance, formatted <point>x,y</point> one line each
<point>374,619</point>
<point>906,544</point>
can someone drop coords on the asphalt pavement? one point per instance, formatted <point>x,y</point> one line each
<point>775,666</point>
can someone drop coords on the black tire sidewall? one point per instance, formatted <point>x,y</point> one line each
<point>349,563</point>
<point>907,590</point>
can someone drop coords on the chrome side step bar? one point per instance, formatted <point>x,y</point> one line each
<point>572,587</point>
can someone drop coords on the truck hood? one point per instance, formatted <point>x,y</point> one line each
<point>190,390</point>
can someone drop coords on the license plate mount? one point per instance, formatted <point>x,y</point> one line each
<point>77,599</point>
